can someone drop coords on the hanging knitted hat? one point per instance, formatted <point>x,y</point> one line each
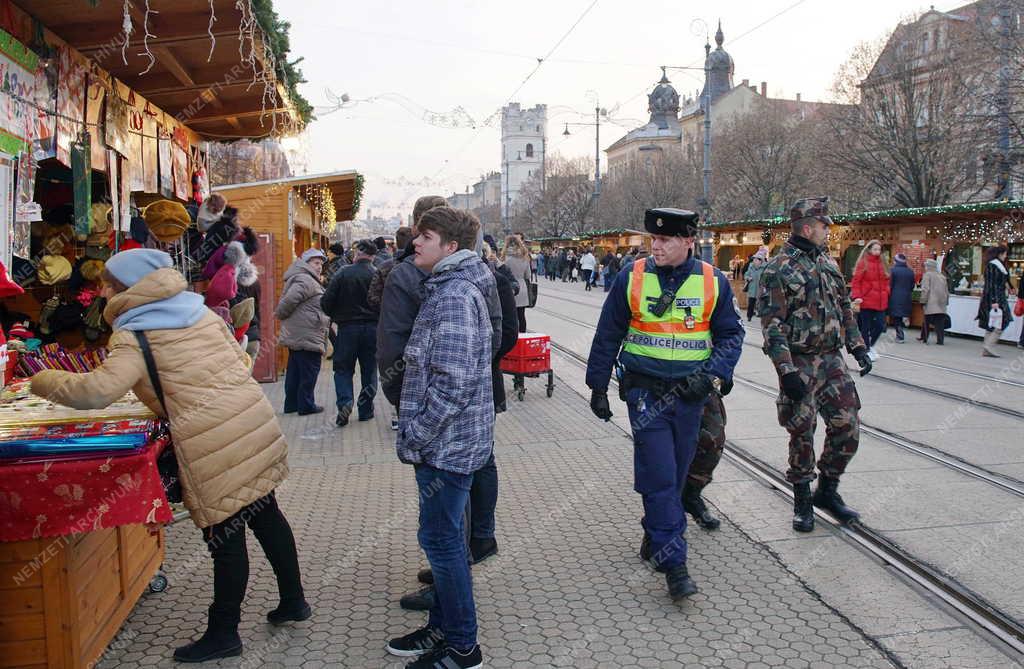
<point>167,220</point>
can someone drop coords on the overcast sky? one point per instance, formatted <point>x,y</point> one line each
<point>433,56</point>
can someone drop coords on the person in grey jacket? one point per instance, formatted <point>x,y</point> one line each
<point>935,298</point>
<point>303,331</point>
<point>753,277</point>
<point>517,259</point>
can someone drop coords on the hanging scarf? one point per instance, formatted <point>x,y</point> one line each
<point>999,264</point>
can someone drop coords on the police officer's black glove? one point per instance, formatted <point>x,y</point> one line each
<point>696,387</point>
<point>599,404</point>
<point>793,386</point>
<point>861,355</point>
<point>725,388</point>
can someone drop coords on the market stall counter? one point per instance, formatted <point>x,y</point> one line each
<point>77,490</point>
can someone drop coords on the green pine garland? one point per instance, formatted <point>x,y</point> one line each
<point>288,73</point>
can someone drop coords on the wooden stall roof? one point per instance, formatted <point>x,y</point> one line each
<point>970,212</point>
<point>341,184</point>
<point>202,73</point>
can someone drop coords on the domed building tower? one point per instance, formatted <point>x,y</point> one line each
<point>722,69</point>
<point>649,142</point>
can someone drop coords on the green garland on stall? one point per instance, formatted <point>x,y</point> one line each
<point>357,196</point>
<point>276,32</point>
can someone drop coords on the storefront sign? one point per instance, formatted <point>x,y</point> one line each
<point>729,239</point>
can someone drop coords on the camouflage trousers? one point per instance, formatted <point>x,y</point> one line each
<point>710,443</point>
<point>832,393</point>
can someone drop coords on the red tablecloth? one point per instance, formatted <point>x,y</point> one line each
<point>58,497</point>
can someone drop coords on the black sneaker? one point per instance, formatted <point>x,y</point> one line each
<point>342,419</point>
<point>421,642</point>
<point>421,600</point>
<point>449,658</point>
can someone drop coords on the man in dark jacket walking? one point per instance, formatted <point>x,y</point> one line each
<point>901,287</point>
<point>345,301</point>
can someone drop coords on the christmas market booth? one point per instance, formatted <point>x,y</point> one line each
<point>106,114</point>
<point>291,215</point>
<point>954,235</point>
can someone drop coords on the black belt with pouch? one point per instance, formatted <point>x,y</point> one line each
<point>656,386</point>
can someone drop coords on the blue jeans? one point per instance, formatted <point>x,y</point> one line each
<point>664,443</point>
<point>356,342</point>
<point>443,498</point>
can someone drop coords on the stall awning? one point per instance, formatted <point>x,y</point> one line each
<point>952,213</point>
<point>213,75</point>
<point>342,186</point>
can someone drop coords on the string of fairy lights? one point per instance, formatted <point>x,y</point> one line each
<point>319,199</point>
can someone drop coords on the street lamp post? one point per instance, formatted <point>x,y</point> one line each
<point>598,113</point>
<point>706,246</point>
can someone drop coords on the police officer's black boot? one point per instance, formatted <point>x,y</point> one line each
<point>827,497</point>
<point>694,505</point>
<point>680,584</point>
<point>803,512</point>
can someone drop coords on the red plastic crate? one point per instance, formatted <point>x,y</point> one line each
<point>532,365</point>
<point>531,345</point>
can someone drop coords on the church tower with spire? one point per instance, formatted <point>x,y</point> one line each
<point>721,67</point>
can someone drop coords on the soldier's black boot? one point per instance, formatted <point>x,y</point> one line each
<point>680,584</point>
<point>803,512</point>
<point>827,497</point>
<point>694,505</point>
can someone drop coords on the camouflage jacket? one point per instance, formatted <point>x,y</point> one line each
<point>803,303</point>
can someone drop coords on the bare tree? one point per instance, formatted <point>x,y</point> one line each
<point>767,158</point>
<point>659,179</point>
<point>560,205</point>
<point>910,133</point>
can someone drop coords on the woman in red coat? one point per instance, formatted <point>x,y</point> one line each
<point>870,289</point>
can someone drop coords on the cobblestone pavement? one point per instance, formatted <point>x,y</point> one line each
<point>565,590</point>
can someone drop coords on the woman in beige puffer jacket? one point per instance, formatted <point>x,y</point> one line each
<point>230,450</point>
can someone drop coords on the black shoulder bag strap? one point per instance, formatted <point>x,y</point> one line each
<point>147,355</point>
<point>167,462</point>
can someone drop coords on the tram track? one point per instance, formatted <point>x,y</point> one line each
<point>1003,482</point>
<point>876,374</point>
<point>973,606</point>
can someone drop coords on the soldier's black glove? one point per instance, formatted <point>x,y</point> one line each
<point>696,387</point>
<point>599,404</point>
<point>793,386</point>
<point>861,355</point>
<point>725,388</point>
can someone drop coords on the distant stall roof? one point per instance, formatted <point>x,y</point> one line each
<point>343,186</point>
<point>971,211</point>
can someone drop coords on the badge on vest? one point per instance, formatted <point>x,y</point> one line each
<point>690,322</point>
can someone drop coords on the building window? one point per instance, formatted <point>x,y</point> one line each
<point>529,150</point>
<point>924,43</point>
<point>538,128</point>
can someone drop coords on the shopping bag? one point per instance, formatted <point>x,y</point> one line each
<point>1018,307</point>
<point>531,291</point>
<point>995,318</point>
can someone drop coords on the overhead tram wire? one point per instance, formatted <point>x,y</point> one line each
<point>540,62</point>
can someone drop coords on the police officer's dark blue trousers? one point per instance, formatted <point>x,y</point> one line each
<point>665,434</point>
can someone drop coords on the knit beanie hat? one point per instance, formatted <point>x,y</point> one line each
<point>309,254</point>
<point>931,263</point>
<point>129,267</point>
<point>900,258</point>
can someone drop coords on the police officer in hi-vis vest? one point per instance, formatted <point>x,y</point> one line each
<point>676,322</point>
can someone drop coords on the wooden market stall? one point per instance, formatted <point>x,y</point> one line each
<point>87,117</point>
<point>955,235</point>
<point>290,215</point>
<point>618,240</point>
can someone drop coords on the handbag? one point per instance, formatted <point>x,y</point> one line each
<point>167,461</point>
<point>531,293</point>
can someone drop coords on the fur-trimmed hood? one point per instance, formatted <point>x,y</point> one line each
<point>246,273</point>
<point>235,254</point>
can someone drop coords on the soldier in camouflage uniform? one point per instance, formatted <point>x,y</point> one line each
<point>710,442</point>
<point>804,306</point>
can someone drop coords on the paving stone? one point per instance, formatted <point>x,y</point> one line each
<point>565,590</point>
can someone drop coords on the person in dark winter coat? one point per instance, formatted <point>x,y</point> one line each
<point>901,286</point>
<point>402,238</point>
<point>345,301</point>
<point>994,296</point>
